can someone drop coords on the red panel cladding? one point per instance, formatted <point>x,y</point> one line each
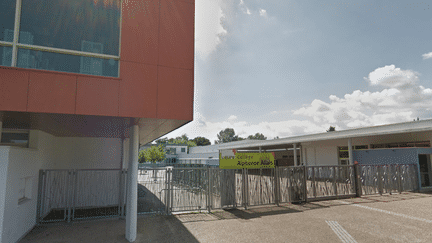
<point>140,28</point>
<point>176,38</point>
<point>51,93</point>
<point>97,96</point>
<point>175,93</point>
<point>138,90</point>
<point>13,90</point>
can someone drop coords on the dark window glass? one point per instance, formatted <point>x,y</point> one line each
<point>15,138</point>
<point>67,63</point>
<point>7,19</point>
<point>6,55</point>
<point>81,25</point>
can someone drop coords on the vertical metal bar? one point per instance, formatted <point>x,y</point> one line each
<point>75,194</point>
<point>171,190</point>
<point>209,188</point>
<point>313,182</point>
<point>276,186</point>
<point>260,187</point>
<point>335,180</point>
<point>305,183</point>
<point>67,208</point>
<point>380,180</point>
<point>399,178</point>
<point>40,199</point>
<point>357,180</point>
<point>119,194</point>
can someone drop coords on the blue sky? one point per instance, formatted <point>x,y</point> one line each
<point>286,68</point>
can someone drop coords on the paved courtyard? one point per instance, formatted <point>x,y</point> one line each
<point>405,217</point>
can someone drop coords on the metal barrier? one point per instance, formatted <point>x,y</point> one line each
<point>381,179</point>
<point>330,182</point>
<point>65,195</point>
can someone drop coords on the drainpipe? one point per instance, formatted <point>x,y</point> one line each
<point>132,187</point>
<point>350,151</point>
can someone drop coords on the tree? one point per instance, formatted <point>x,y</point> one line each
<point>331,129</point>
<point>201,141</point>
<point>153,154</point>
<point>257,136</point>
<point>227,135</point>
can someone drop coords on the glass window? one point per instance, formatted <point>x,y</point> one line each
<point>6,56</point>
<point>15,138</point>
<point>7,19</point>
<point>67,63</point>
<point>81,25</point>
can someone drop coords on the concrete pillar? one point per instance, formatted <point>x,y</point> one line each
<point>260,150</point>
<point>350,151</point>
<point>295,155</point>
<point>132,187</point>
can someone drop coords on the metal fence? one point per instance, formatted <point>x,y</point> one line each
<point>379,179</point>
<point>65,195</point>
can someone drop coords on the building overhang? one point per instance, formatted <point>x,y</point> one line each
<point>288,143</point>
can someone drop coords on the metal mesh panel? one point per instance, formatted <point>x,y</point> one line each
<point>325,181</point>
<point>189,189</point>
<point>261,186</point>
<point>379,179</point>
<point>291,184</point>
<point>152,190</point>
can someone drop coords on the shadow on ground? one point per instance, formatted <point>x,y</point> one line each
<point>151,228</point>
<point>149,202</point>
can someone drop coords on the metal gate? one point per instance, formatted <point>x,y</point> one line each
<point>66,195</point>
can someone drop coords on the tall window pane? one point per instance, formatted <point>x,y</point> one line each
<point>66,63</point>
<point>81,25</point>
<point>7,19</point>
<point>5,55</point>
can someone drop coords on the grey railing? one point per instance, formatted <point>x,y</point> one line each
<point>65,195</point>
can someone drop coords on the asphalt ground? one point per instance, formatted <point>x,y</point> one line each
<point>405,217</point>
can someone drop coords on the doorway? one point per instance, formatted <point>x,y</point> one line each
<point>425,169</point>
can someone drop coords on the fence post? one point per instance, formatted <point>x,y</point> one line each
<point>209,187</point>
<point>380,180</point>
<point>305,183</point>
<point>245,188</point>
<point>39,200</point>
<point>335,180</point>
<point>167,191</point>
<point>313,182</point>
<point>357,180</point>
<point>276,185</point>
<point>399,178</point>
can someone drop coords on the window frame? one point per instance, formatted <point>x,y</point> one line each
<point>16,45</point>
<point>21,145</point>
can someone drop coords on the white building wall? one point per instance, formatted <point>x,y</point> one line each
<point>45,152</point>
<point>4,163</point>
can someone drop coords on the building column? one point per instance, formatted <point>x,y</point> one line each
<point>295,155</point>
<point>132,187</point>
<point>350,152</point>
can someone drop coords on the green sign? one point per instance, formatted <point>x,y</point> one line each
<point>246,160</point>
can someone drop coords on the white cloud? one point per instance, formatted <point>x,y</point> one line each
<point>232,118</point>
<point>392,77</point>
<point>208,26</point>
<point>263,12</point>
<point>404,100</point>
<point>427,55</point>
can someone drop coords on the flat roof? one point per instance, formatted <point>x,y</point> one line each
<point>397,128</point>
